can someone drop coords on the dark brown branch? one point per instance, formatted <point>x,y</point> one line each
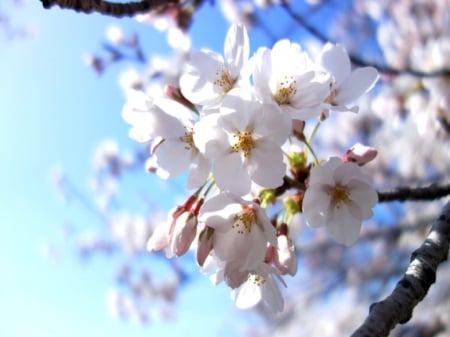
<point>108,8</point>
<point>412,288</point>
<point>430,192</point>
<point>357,60</point>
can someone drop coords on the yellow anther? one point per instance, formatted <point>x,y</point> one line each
<point>244,143</point>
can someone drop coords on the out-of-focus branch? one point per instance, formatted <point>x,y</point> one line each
<point>108,8</point>
<point>356,60</point>
<point>412,288</point>
<point>430,192</point>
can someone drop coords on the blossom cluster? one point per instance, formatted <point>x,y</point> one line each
<point>236,125</point>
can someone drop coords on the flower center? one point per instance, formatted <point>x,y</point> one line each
<point>339,194</point>
<point>224,80</point>
<point>243,222</point>
<point>188,138</point>
<point>285,89</point>
<point>256,279</point>
<point>244,143</point>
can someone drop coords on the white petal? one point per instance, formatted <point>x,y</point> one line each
<point>273,124</point>
<point>357,83</point>
<point>172,156</point>
<point>247,295</point>
<point>231,175</point>
<point>199,171</point>
<point>209,137</point>
<point>236,49</point>
<point>262,71</point>
<point>343,226</point>
<point>334,58</point>
<point>265,164</point>
<point>315,205</point>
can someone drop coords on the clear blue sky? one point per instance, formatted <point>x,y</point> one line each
<point>54,111</point>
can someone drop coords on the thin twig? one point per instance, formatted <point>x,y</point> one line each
<point>412,288</point>
<point>430,192</point>
<point>108,8</point>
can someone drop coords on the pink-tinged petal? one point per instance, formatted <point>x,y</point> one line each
<point>172,156</point>
<point>199,171</point>
<point>184,233</point>
<point>334,58</point>
<point>160,237</point>
<point>265,164</point>
<point>236,49</point>
<point>315,205</point>
<point>231,175</point>
<point>355,85</point>
<point>343,226</point>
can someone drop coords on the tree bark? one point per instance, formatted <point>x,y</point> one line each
<point>412,288</point>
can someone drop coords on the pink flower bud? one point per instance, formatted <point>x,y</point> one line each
<point>360,154</point>
<point>205,245</point>
<point>183,233</point>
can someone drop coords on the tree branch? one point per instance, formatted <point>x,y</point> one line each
<point>108,8</point>
<point>356,60</point>
<point>412,288</point>
<point>430,192</point>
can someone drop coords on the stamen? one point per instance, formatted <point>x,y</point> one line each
<point>244,221</point>
<point>188,138</point>
<point>245,143</point>
<point>339,194</point>
<point>285,89</point>
<point>224,80</point>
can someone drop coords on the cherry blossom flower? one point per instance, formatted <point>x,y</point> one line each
<point>286,75</point>
<point>242,230</point>
<point>174,150</point>
<point>339,196</point>
<point>260,286</point>
<point>245,141</point>
<point>209,76</point>
<point>347,85</point>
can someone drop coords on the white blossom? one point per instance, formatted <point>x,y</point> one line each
<point>347,85</point>
<point>245,142</point>
<point>286,75</point>
<point>339,196</point>
<point>208,76</point>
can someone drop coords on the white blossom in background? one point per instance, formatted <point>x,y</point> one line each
<point>115,35</point>
<point>209,76</point>
<point>339,196</point>
<point>245,142</point>
<point>347,85</point>
<point>173,150</point>
<point>286,75</point>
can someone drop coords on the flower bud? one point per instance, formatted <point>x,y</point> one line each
<point>360,154</point>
